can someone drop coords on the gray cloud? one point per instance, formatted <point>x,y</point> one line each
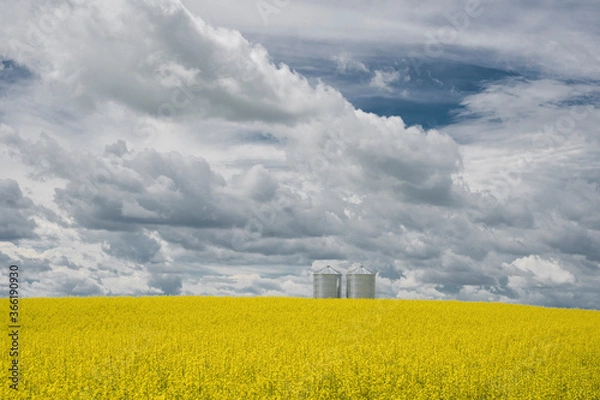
<point>135,247</point>
<point>119,193</point>
<point>30,267</point>
<point>183,66</point>
<point>16,212</point>
<point>169,284</point>
<point>78,287</point>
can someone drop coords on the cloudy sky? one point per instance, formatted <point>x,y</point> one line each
<point>231,147</point>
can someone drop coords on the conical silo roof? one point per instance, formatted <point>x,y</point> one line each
<point>360,270</point>
<point>327,271</point>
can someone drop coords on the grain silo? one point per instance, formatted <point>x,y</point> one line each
<point>327,283</point>
<point>360,284</point>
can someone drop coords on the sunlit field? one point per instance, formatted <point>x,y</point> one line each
<point>289,348</point>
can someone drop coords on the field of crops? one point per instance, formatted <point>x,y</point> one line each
<point>288,348</point>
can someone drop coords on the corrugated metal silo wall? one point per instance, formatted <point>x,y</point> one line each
<point>327,286</point>
<point>360,286</point>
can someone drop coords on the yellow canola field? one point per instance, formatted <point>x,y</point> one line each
<point>290,348</point>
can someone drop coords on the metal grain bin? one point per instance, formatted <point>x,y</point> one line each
<point>360,284</point>
<point>327,283</point>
